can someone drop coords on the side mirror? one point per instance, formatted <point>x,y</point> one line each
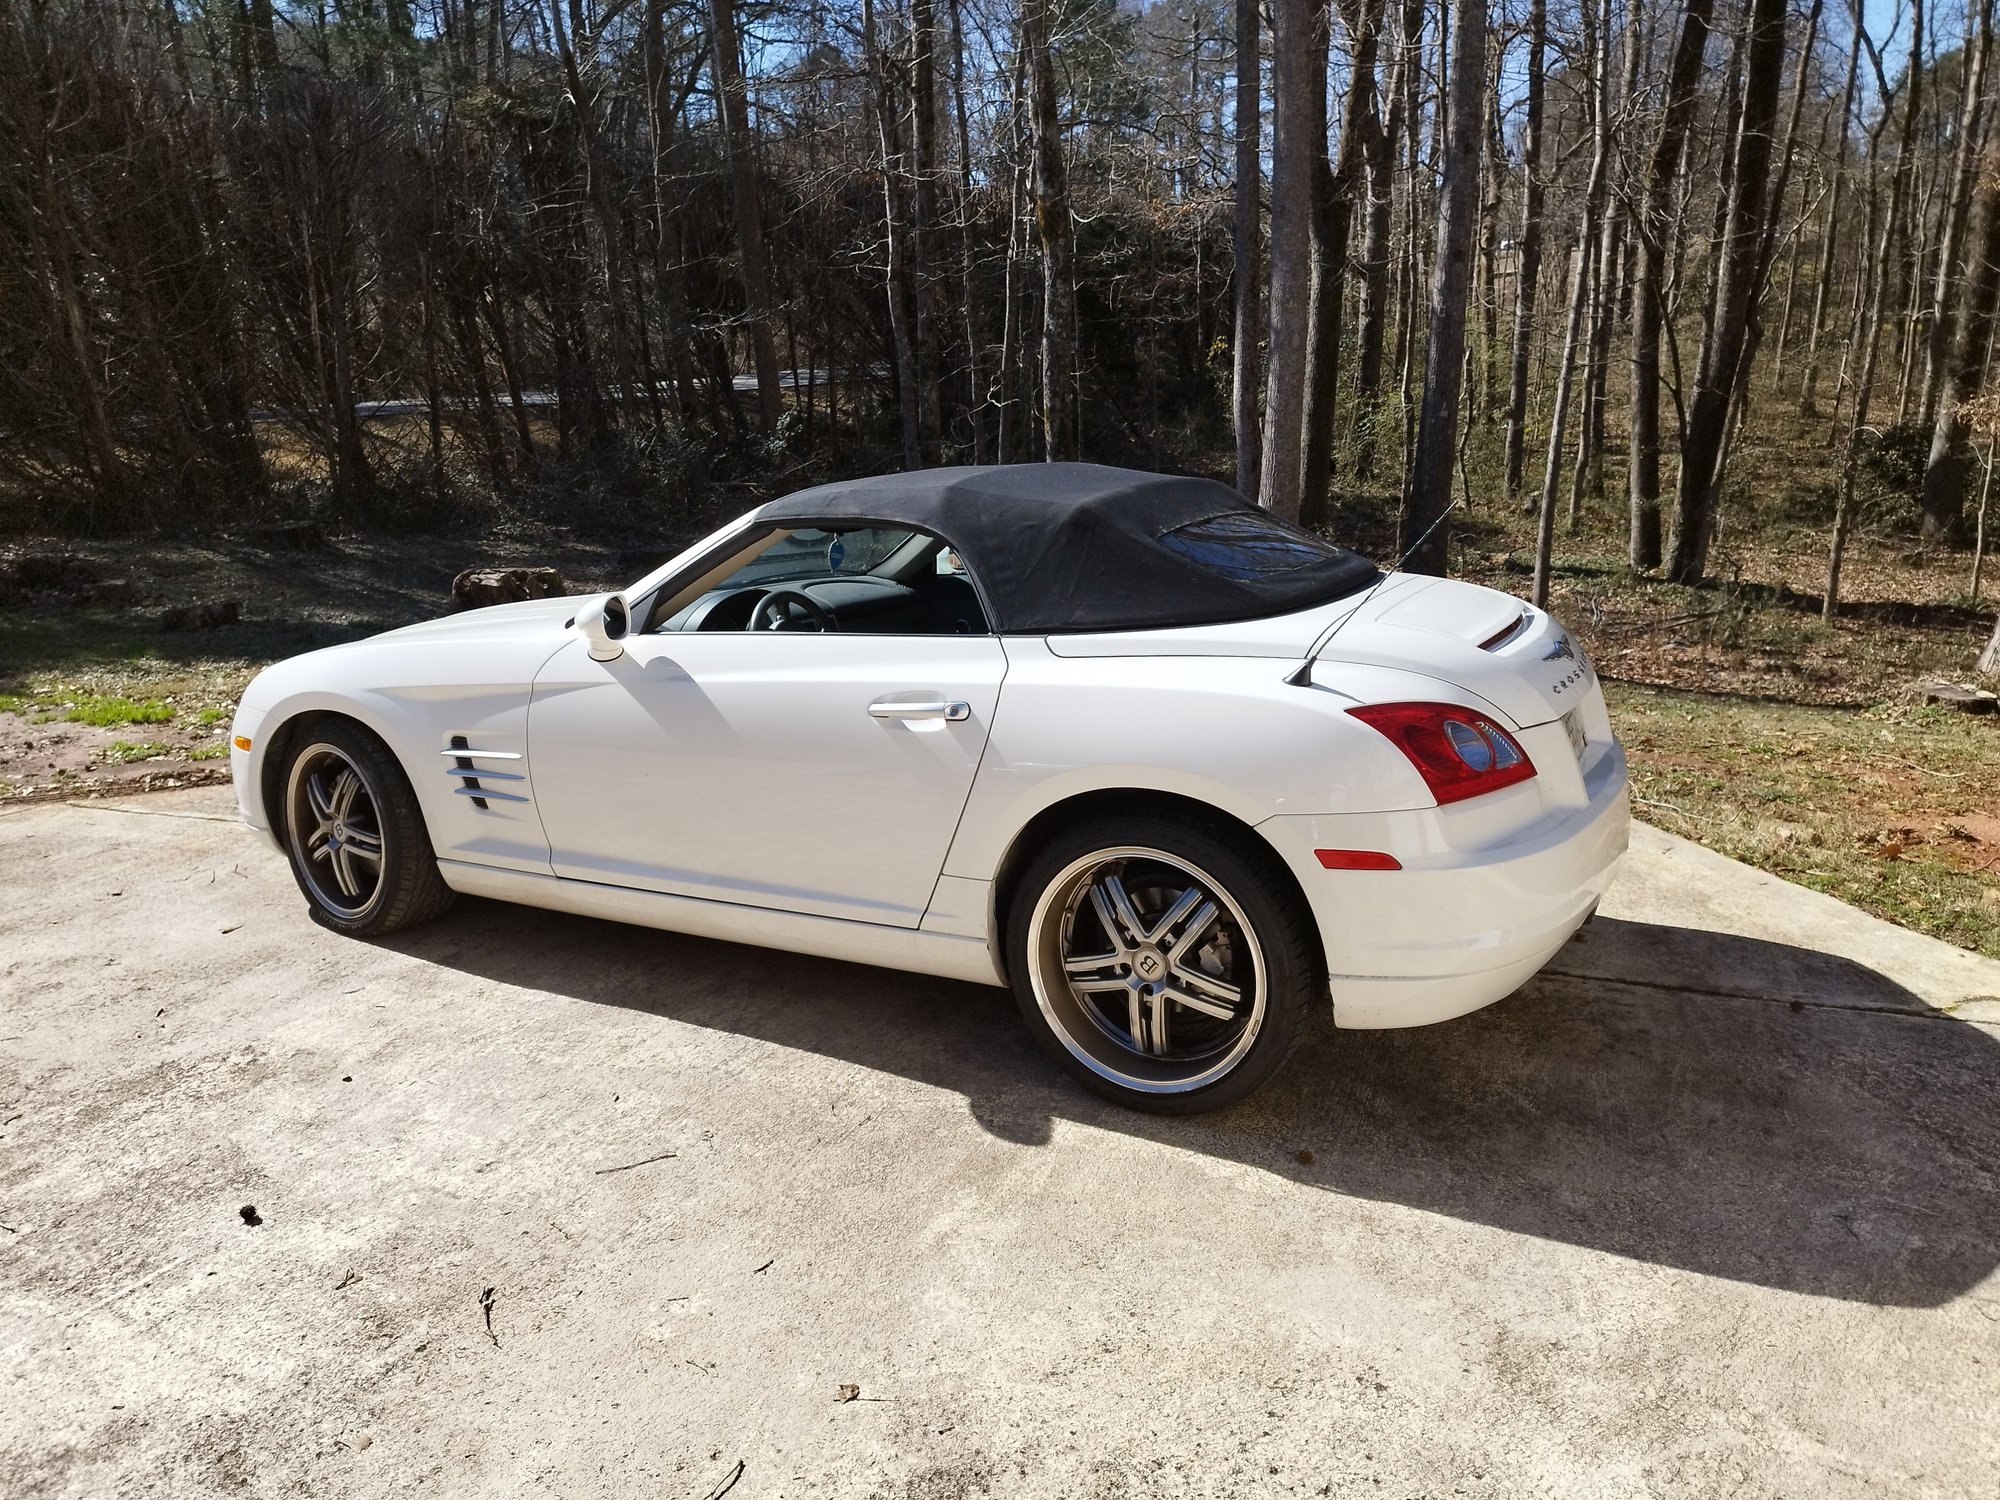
<point>604,623</point>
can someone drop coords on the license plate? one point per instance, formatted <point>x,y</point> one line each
<point>1579,740</point>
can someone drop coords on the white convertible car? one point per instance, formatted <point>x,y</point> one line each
<point>1169,768</point>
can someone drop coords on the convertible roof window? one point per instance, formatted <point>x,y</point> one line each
<point>1244,546</point>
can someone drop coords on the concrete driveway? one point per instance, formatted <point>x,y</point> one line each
<point>1708,1209</point>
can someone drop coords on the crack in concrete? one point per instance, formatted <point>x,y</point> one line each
<point>1920,1012</point>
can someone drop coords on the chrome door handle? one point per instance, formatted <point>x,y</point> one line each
<point>920,708</point>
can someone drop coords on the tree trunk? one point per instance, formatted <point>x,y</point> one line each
<point>1249,237</point>
<point>1651,233</point>
<point>1333,226</point>
<point>896,279</point>
<point>923,221</point>
<point>1596,27</point>
<point>1829,240</point>
<point>1722,346</point>
<point>731,101</point>
<point>1379,145</point>
<point>1871,333</point>
<point>1294,149</point>
<point>1012,323</point>
<point>1421,535</point>
<point>1938,347</point>
<point>1059,425</point>
<point>968,280</point>
<point>1528,273</point>
<point>1944,473</point>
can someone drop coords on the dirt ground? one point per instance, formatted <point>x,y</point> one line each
<point>549,1207</point>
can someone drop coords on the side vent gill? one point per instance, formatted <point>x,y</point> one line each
<point>472,779</point>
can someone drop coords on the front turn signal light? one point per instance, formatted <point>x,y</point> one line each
<point>241,742</point>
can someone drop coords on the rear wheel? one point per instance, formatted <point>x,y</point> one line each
<point>358,846</point>
<point>1164,963</point>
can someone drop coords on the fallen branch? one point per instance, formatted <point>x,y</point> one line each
<point>663,1156</point>
<point>728,1484</point>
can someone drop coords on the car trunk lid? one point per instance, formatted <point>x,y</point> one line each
<point>1518,658</point>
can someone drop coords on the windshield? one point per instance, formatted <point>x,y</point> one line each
<point>813,553</point>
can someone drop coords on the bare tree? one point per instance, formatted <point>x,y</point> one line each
<point>1958,203</point>
<point>1528,258</point>
<point>1333,231</point>
<point>1829,238</point>
<point>1249,242</point>
<point>1298,134</point>
<point>1429,492</point>
<point>1869,334</point>
<point>1722,344</point>
<point>1596,31</point>
<point>1963,375</point>
<point>731,100</point>
<point>1052,221</point>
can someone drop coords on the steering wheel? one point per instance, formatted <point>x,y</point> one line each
<point>774,611</point>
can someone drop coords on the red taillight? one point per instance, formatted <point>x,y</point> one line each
<point>1458,751</point>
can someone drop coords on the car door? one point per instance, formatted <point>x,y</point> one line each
<point>813,773</point>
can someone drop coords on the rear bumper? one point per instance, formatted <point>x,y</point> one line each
<point>1485,896</point>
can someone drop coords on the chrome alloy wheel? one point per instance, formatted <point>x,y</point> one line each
<point>336,830</point>
<point>1147,970</point>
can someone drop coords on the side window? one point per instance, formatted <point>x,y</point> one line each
<point>862,580</point>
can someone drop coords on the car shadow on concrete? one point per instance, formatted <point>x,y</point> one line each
<point>1845,1147</point>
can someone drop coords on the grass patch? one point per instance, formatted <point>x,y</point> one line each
<point>125,752</point>
<point>13,703</point>
<point>112,712</point>
<point>1888,808</point>
<point>89,658</point>
<point>209,752</point>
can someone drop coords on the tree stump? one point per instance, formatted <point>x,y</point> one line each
<point>476,588</point>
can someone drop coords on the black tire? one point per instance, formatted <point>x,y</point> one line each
<point>1184,1046</point>
<point>347,889</point>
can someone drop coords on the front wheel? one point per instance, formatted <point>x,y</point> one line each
<point>1166,963</point>
<point>357,842</point>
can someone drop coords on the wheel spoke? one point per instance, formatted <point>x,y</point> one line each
<point>343,871</point>
<point>1107,917</point>
<point>1088,966</point>
<point>1198,924</point>
<point>316,794</point>
<point>318,846</point>
<point>1221,1010</point>
<point>345,786</point>
<point>1217,991</point>
<point>1130,930</point>
<point>1107,985</point>
<point>1148,1023</point>
<point>363,844</point>
<point>1190,898</point>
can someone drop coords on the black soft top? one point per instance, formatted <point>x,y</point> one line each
<point>1056,547</point>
